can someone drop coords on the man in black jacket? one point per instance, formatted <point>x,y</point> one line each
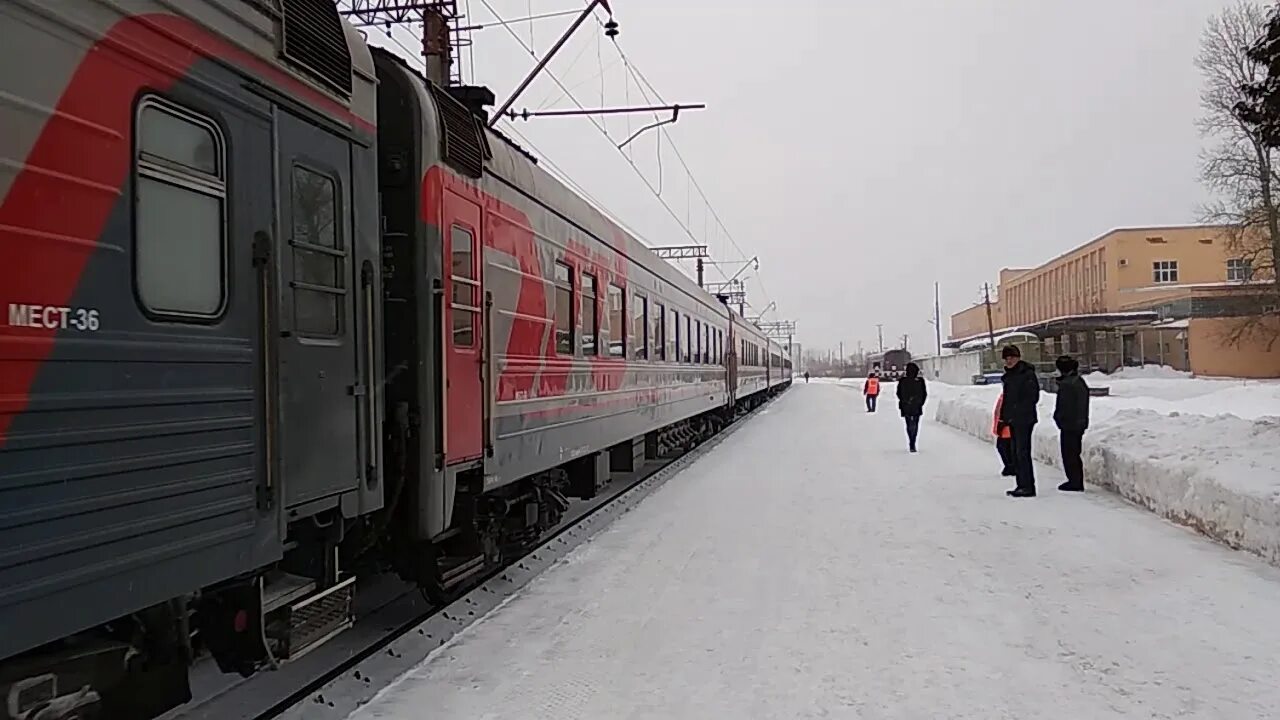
<point>1018,411</point>
<point>1071,413</point>
<point>911,396</point>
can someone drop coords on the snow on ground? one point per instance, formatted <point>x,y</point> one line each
<point>810,567</point>
<point>1205,453</point>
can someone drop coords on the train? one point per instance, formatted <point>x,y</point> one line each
<point>890,364</point>
<point>278,313</point>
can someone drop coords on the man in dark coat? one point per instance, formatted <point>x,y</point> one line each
<point>911,397</point>
<point>1018,411</point>
<point>1071,413</point>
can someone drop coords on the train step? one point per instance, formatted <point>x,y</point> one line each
<point>303,622</point>
<point>455,570</point>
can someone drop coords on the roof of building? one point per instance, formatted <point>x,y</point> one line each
<point>1067,323</point>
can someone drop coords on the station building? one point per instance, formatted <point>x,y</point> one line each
<point>1168,295</point>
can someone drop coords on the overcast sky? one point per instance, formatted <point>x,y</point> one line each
<point>865,149</point>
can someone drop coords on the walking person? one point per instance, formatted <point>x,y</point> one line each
<point>806,376</point>
<point>1018,411</point>
<point>1004,440</point>
<point>1071,413</point>
<point>911,396</point>
<point>871,388</point>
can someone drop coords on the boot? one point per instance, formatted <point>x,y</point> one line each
<point>1068,486</point>
<point>1021,492</point>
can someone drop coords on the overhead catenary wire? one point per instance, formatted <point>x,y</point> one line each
<point>599,127</point>
<point>648,91</point>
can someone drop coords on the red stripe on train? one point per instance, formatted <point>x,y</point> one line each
<point>56,210</point>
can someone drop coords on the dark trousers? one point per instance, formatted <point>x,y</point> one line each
<point>1072,464</point>
<point>1004,446</point>
<point>913,429</point>
<point>1022,466</point>
<point>871,403</point>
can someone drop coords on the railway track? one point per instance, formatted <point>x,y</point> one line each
<point>396,628</point>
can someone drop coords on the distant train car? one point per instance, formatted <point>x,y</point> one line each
<point>891,364</point>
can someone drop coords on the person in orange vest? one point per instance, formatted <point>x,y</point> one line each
<point>1004,439</point>
<point>871,388</point>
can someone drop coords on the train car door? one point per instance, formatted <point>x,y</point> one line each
<point>464,387</point>
<point>316,361</point>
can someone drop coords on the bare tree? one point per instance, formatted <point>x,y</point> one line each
<point>1240,169</point>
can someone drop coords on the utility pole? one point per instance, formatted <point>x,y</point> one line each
<point>937,319</point>
<point>904,341</point>
<point>991,328</point>
<point>842,355</point>
<point>880,335</point>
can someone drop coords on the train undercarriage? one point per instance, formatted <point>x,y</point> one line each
<point>137,666</point>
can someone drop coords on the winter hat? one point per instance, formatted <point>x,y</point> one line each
<point>913,370</point>
<point>1010,351</point>
<point>1066,364</point>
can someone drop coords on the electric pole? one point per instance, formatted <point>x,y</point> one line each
<point>991,328</point>
<point>904,341</point>
<point>880,336</point>
<point>937,319</point>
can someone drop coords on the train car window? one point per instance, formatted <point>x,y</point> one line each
<point>675,334</point>
<point>696,341</point>
<point>318,277</point>
<point>590,315</point>
<point>659,324</point>
<point>688,336</point>
<point>180,204</point>
<point>617,322</point>
<point>706,343</point>
<point>564,309</point>
<point>640,327</point>
<point>464,305</point>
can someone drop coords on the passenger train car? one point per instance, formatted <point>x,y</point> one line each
<point>278,312</point>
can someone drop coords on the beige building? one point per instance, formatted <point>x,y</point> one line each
<point>1144,294</point>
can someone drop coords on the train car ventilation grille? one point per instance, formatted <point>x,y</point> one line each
<point>314,40</point>
<point>463,143</point>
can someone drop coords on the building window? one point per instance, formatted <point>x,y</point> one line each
<point>1164,271</point>
<point>617,322</point>
<point>659,331</point>
<point>180,194</point>
<point>464,305</point>
<point>1239,270</point>
<point>564,309</point>
<point>590,315</point>
<point>640,327</point>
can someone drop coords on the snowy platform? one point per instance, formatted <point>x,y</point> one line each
<point>1203,453</point>
<point>809,566</point>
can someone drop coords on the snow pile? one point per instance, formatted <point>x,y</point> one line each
<point>1200,452</point>
<point>1146,372</point>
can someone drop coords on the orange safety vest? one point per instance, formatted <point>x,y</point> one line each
<point>872,387</point>
<point>1000,432</point>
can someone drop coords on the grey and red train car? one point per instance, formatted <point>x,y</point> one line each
<point>275,312</point>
